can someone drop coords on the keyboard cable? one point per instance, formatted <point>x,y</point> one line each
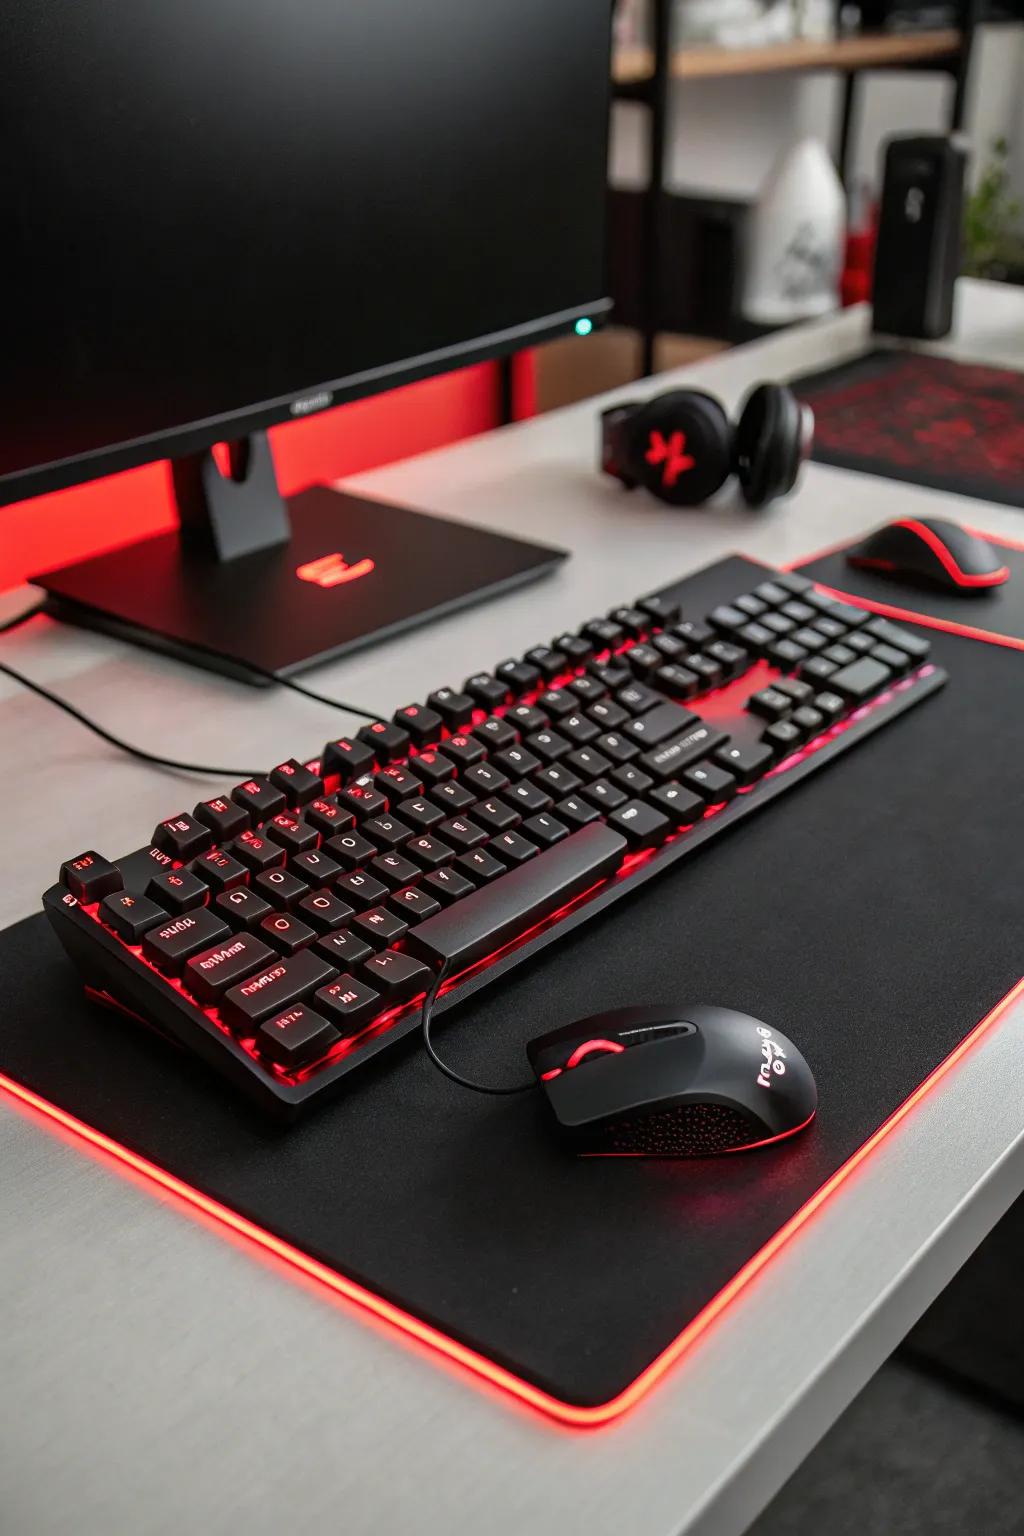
<point>154,758</point>
<point>456,1077</point>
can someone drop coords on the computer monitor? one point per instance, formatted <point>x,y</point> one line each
<point>223,214</point>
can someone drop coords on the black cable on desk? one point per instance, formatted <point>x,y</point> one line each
<point>449,1072</point>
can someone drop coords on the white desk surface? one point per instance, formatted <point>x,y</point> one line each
<point>155,1377</point>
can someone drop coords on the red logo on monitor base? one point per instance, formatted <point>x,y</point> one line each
<point>333,570</point>
<point>670,454</point>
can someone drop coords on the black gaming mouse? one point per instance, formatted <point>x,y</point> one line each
<point>932,551</point>
<point>673,1082</point>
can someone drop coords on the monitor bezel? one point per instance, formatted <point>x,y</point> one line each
<point>196,436</point>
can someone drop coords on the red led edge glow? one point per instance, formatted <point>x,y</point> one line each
<point>565,1413</point>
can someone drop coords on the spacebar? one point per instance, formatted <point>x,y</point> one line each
<point>479,924</point>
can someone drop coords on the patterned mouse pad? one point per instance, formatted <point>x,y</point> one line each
<point>928,420</point>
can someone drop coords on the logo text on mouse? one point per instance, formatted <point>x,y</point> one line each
<point>773,1058</point>
<point>333,570</point>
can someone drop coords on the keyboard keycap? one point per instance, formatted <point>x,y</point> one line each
<point>860,680</point>
<point>90,876</point>
<point>490,917</point>
<point>257,852</point>
<point>224,818</point>
<point>292,832</point>
<point>495,816</point>
<point>605,795</point>
<point>344,949</point>
<point>733,659</point>
<point>296,1036</point>
<point>386,740</point>
<point>770,704</point>
<point>213,970</point>
<point>363,799</point>
<point>361,890</point>
<point>349,1004</point>
<point>430,852</point>
<point>286,932</point>
<point>414,905</point>
<point>890,657</point>
<point>448,885</point>
<point>455,709</point>
<point>423,724</point>
<point>242,908</point>
<point>397,976</point>
<point>678,682</point>
<point>745,763</point>
<point>323,910</point>
<point>576,812</point>
<point>485,691</point>
<point>260,798</point>
<point>380,927</point>
<point>350,849</point>
<point>659,724</point>
<point>296,783</point>
<point>642,825</point>
<point>275,987</point>
<point>711,782</point>
<point>183,837</point>
<point>397,783</point>
<point>394,870</point>
<point>511,848</point>
<point>681,806</point>
<point>666,761</point>
<point>178,890</point>
<point>544,830</point>
<point>346,759</point>
<point>906,640</point>
<point>281,888</point>
<point>434,768</point>
<point>316,868</point>
<point>830,706</point>
<point>178,939</point>
<point>130,916</point>
<point>783,736</point>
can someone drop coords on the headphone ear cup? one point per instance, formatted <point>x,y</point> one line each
<point>681,447</point>
<point>772,440</point>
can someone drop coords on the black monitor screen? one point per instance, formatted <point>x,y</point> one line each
<point>218,212</point>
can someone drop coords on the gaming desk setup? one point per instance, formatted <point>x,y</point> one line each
<point>252,995</point>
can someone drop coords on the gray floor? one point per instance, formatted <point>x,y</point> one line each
<point>910,1457</point>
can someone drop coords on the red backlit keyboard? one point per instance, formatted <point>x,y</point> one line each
<point>288,930</point>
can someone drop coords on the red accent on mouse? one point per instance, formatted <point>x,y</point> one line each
<point>675,1081</point>
<point>931,551</point>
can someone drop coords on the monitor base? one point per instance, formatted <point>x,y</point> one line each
<point>351,573</point>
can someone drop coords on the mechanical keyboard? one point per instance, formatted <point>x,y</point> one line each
<point>288,930</point>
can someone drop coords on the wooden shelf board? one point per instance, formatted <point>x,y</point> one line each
<point>870,50</point>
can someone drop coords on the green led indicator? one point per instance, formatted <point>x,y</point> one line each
<point>584,327</point>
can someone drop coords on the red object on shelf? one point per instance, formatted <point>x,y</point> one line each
<point>118,509</point>
<point>859,262</point>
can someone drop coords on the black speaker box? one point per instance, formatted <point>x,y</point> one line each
<point>919,236</point>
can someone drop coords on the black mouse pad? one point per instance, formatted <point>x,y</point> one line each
<point>925,419</point>
<point>995,613</point>
<point>872,913</point>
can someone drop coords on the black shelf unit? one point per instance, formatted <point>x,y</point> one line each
<point>653,92</point>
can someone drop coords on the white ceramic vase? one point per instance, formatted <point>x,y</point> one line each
<point>796,237</point>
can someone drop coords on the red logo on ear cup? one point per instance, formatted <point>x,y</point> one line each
<point>670,455</point>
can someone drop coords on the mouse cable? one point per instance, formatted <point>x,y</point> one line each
<point>309,693</point>
<point>449,1072</point>
<point>154,758</point>
<point>98,730</point>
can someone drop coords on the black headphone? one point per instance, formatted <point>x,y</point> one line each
<point>682,446</point>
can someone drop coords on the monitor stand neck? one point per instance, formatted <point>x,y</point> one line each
<point>223,517</point>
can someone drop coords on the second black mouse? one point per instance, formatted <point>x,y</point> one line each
<point>673,1081</point>
<point>932,551</point>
